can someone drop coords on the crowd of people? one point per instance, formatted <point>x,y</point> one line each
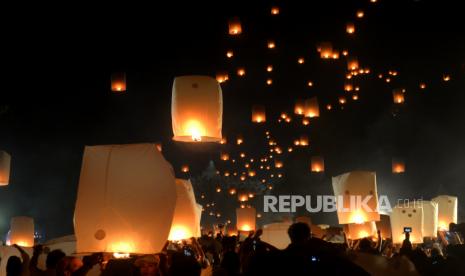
<point>224,255</point>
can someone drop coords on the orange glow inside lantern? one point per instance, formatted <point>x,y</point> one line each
<point>325,49</point>
<point>422,85</point>
<point>222,77</point>
<point>185,169</point>
<point>305,121</point>
<point>309,83</point>
<point>348,87</point>
<point>243,197</point>
<point>118,82</point>
<point>224,156</point>
<point>299,107</point>
<point>235,27</point>
<point>278,164</point>
<point>301,60</point>
<point>274,10</point>
<point>239,140</point>
<point>241,72</point>
<point>352,64</point>
<point>269,68</point>
<point>258,114</point>
<point>350,28</point>
<point>271,44</point>
<point>360,14</point>
<point>398,96</point>
<point>303,141</point>
<point>312,108</point>
<point>246,218</point>
<point>446,77</point>
<point>398,166</point>
<point>342,100</point>
<point>269,81</point>
<point>229,54</point>
<point>317,164</point>
<point>329,107</point>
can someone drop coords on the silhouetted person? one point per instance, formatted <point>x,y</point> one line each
<point>14,265</point>
<point>51,263</point>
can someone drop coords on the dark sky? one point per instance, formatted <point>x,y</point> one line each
<point>57,61</point>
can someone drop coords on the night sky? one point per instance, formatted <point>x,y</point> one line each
<point>56,98</point>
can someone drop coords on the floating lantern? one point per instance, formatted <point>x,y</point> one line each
<point>271,44</point>
<point>5,161</point>
<point>275,10</point>
<point>300,60</point>
<point>312,108</point>
<point>224,156</point>
<point>348,87</point>
<point>299,107</point>
<point>242,155</point>
<point>118,82</point>
<point>446,77</point>
<point>218,189</point>
<point>245,219</point>
<point>269,81</point>
<point>345,53</point>
<point>422,85</point>
<point>335,55</point>
<point>241,72</point>
<point>317,164</point>
<point>232,191</point>
<point>430,218</point>
<point>447,210</point>
<point>278,164</point>
<point>398,96</point>
<point>342,100</point>
<point>258,114</point>
<point>350,28</point>
<point>355,97</point>
<point>303,141</point>
<point>276,234</point>
<point>185,168</point>
<point>356,184</point>
<point>242,178</point>
<point>196,109</point>
<point>329,107</point>
<point>407,215</point>
<point>229,54</point>
<point>184,224</point>
<point>362,230</point>
<point>242,197</point>
<point>119,187</point>
<point>222,77</point>
<point>309,83</point>
<point>305,121</point>
<point>325,49</point>
<point>252,173</point>
<point>269,68</point>
<point>398,166</point>
<point>235,27</point>
<point>223,141</point>
<point>21,231</point>
<point>352,63</point>
<point>360,14</point>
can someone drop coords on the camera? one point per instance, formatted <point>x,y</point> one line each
<point>407,229</point>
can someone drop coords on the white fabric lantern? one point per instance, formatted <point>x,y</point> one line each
<point>245,219</point>
<point>196,109</point>
<point>125,201</point>
<point>21,231</point>
<point>408,215</point>
<point>430,218</point>
<point>362,230</point>
<point>276,234</point>
<point>184,225</point>
<point>356,184</point>
<point>5,160</point>
<point>312,109</point>
<point>447,210</point>
<point>198,219</point>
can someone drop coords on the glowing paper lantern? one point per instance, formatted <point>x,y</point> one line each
<point>303,141</point>
<point>312,109</point>
<point>119,188</point>
<point>229,54</point>
<point>325,49</point>
<point>362,230</point>
<point>300,60</point>
<point>5,161</point>
<point>446,77</point>
<point>185,168</point>
<point>398,166</point>
<point>360,14</point>
<point>235,27</point>
<point>222,77</point>
<point>278,164</point>
<point>275,10</point>
<point>21,231</point>
<point>196,109</point>
<point>350,28</point>
<point>407,215</point>
<point>258,114</point>
<point>269,68</point>
<point>318,164</point>
<point>299,107</point>
<point>430,218</point>
<point>118,82</point>
<point>352,63</point>
<point>184,225</point>
<point>224,156</point>
<point>241,72</point>
<point>398,96</point>
<point>354,184</point>
<point>271,44</point>
<point>447,210</point>
<point>245,219</point>
<point>276,234</point>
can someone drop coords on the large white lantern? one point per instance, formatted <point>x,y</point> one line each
<point>407,215</point>
<point>21,231</point>
<point>196,109</point>
<point>245,219</point>
<point>430,218</point>
<point>276,234</point>
<point>125,200</point>
<point>447,210</point>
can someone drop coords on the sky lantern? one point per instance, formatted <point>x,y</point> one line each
<point>5,161</point>
<point>21,231</point>
<point>258,114</point>
<point>229,54</point>
<point>312,109</point>
<point>185,168</point>
<point>345,53</point>
<point>360,14</point>
<point>239,140</point>
<point>276,234</point>
<point>362,230</point>
<point>118,82</point>
<point>342,100</point>
<point>235,27</point>
<point>303,141</point>
<point>274,10</point>
<point>224,156</point>
<point>350,28</point>
<point>430,218</point>
<point>317,164</point>
<point>356,183</point>
<point>222,77</point>
<point>269,68</point>
<point>398,166</point>
<point>348,87</point>
<point>184,224</point>
<point>299,107</point>
<point>271,44</point>
<point>335,54</point>
<point>447,210</point>
<point>232,191</point>
<point>355,97</point>
<point>398,96</point>
<point>310,83</point>
<point>300,60</point>
<point>223,141</point>
<point>196,109</point>
<point>329,107</point>
<point>326,50</point>
<point>241,72</point>
<point>120,186</point>
<point>245,219</point>
<point>242,197</point>
<point>422,85</point>
<point>278,164</point>
<point>305,121</point>
<point>269,82</point>
<point>446,77</point>
<point>352,63</point>
<point>407,215</point>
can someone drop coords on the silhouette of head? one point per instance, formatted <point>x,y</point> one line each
<point>13,266</point>
<point>53,258</point>
<point>299,232</point>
